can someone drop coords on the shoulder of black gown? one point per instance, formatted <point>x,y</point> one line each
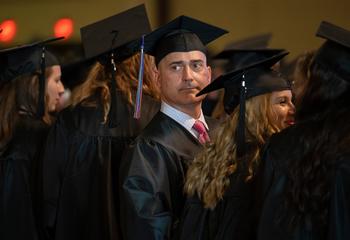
<point>339,212</point>
<point>29,134</point>
<point>171,135</point>
<point>90,120</point>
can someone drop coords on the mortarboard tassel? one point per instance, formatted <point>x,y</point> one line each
<point>112,115</point>
<point>137,111</point>
<point>41,98</point>
<point>240,132</point>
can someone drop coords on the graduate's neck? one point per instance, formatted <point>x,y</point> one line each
<point>193,110</point>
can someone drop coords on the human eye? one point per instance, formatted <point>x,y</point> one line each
<point>176,66</point>
<point>282,101</point>
<point>197,65</point>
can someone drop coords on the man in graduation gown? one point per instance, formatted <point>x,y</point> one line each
<point>153,170</point>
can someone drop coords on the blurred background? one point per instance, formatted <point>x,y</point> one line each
<point>291,23</point>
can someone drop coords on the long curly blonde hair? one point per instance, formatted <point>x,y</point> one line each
<point>208,175</point>
<point>126,78</point>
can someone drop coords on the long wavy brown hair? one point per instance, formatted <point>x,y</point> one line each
<point>126,78</point>
<point>20,97</point>
<point>301,75</point>
<point>324,128</point>
<point>208,175</point>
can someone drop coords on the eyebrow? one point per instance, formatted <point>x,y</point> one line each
<point>176,62</point>
<point>197,60</point>
<point>286,98</point>
<point>191,61</point>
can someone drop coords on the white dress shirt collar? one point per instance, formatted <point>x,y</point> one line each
<point>182,118</point>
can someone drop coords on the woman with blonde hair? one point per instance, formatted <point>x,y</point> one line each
<point>29,90</point>
<point>221,181</point>
<point>84,147</point>
<point>307,167</point>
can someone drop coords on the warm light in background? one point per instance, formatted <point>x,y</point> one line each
<point>64,28</point>
<point>9,29</point>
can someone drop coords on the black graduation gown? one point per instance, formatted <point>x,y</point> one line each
<point>153,173</point>
<point>20,192</point>
<point>274,180</point>
<point>81,169</point>
<point>234,216</point>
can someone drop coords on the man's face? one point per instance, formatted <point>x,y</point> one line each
<point>181,75</point>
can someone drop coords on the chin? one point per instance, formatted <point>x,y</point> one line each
<point>52,109</point>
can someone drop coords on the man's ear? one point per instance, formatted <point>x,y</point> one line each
<point>209,74</point>
<point>157,76</point>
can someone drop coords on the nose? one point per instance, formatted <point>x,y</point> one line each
<point>60,88</point>
<point>291,108</point>
<point>187,74</point>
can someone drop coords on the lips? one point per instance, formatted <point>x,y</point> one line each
<point>189,89</point>
<point>290,122</point>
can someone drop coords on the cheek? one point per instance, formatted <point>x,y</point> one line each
<point>170,82</point>
<point>203,77</point>
<point>52,90</point>
<point>281,113</point>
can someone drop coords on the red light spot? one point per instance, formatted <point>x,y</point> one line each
<point>9,29</point>
<point>64,28</point>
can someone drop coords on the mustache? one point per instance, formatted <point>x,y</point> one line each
<point>190,85</point>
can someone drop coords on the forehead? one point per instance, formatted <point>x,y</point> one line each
<point>55,70</point>
<point>284,93</point>
<point>184,56</point>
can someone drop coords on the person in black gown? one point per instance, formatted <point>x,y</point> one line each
<point>221,182</point>
<point>307,167</point>
<point>84,147</point>
<point>153,170</point>
<point>29,90</point>
<point>236,58</point>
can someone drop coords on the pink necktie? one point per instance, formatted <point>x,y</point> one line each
<point>203,136</point>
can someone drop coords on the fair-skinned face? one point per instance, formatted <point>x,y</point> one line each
<point>54,87</point>
<point>283,108</point>
<point>180,76</point>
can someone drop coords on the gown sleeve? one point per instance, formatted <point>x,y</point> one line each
<point>145,192</point>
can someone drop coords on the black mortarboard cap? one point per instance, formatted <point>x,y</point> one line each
<point>260,41</point>
<point>237,58</point>
<point>75,73</point>
<point>255,79</point>
<point>249,81</point>
<point>121,32</point>
<point>334,54</point>
<point>115,39</point>
<point>183,34</point>
<point>26,59</point>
